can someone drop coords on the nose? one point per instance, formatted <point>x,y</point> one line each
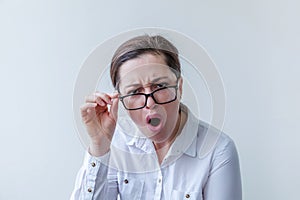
<point>150,102</point>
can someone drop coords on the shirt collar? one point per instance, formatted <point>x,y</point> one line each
<point>141,143</point>
<point>186,142</point>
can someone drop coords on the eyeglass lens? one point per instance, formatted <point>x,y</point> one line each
<point>160,96</point>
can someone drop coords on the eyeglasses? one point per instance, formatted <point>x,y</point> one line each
<point>162,95</point>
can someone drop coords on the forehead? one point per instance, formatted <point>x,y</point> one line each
<point>144,69</point>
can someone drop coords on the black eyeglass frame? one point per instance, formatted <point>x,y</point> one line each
<point>149,95</point>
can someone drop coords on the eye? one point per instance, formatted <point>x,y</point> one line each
<point>159,85</point>
<point>134,91</point>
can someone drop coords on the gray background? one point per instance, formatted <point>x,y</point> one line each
<point>255,45</point>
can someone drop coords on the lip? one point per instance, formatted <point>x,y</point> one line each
<point>154,128</point>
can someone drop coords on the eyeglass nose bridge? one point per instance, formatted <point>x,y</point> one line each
<point>150,95</point>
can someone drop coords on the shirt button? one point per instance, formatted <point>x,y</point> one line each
<point>159,180</point>
<point>126,181</point>
<point>93,164</point>
<point>90,190</point>
<point>187,196</point>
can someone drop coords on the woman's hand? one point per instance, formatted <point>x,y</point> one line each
<point>100,121</point>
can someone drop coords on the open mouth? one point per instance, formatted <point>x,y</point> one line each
<point>154,121</point>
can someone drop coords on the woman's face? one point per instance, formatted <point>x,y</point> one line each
<point>146,74</point>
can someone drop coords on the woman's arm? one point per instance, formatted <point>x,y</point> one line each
<point>95,180</point>
<point>224,181</point>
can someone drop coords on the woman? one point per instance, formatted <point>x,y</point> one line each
<point>160,159</point>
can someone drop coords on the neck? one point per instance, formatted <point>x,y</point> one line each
<point>163,147</point>
<point>170,140</point>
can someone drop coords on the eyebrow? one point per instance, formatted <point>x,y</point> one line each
<point>153,81</point>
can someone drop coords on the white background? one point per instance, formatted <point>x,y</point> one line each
<point>255,45</point>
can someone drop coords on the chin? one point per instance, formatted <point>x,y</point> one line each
<point>151,135</point>
<point>158,138</point>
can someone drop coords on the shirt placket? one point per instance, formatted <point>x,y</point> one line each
<point>92,171</point>
<point>159,185</point>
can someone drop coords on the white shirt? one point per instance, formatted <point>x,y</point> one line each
<point>130,171</point>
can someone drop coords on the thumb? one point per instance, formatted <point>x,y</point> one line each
<point>114,108</point>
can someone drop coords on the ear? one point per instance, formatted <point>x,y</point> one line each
<point>180,85</point>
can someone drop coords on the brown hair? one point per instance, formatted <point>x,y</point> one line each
<point>140,45</point>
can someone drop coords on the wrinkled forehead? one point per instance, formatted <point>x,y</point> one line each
<point>145,74</point>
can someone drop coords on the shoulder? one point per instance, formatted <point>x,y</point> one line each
<point>217,147</point>
<point>214,142</point>
<point>210,141</point>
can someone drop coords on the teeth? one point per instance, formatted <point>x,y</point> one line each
<point>154,121</point>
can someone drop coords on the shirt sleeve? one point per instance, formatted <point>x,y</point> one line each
<point>95,180</point>
<point>224,181</point>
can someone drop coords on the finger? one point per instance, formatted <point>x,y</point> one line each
<point>104,97</point>
<point>86,108</point>
<point>114,95</point>
<point>114,108</point>
<point>95,99</point>
<point>91,99</point>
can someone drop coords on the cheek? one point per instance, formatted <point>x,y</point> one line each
<point>169,111</point>
<point>172,111</point>
<point>136,116</point>
<point>174,106</point>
